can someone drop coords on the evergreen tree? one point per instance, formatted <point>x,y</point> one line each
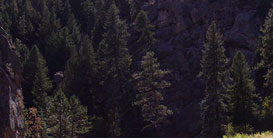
<point>143,27</point>
<point>47,30</point>
<point>58,122</point>
<point>114,63</point>
<point>21,28</point>
<point>74,30</point>
<point>89,16</point>
<point>266,51</point>
<point>31,23</point>
<point>42,84</point>
<point>80,72</point>
<point>59,49</point>
<point>101,9</point>
<point>80,123</point>
<point>150,86</point>
<point>135,6</point>
<point>36,83</point>
<point>241,91</point>
<point>22,50</point>
<point>267,113</point>
<point>213,65</point>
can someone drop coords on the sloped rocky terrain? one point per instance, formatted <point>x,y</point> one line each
<point>11,99</point>
<point>180,27</point>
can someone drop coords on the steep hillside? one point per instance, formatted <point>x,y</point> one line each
<point>180,29</point>
<point>11,103</point>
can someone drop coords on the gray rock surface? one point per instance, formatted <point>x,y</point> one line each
<point>11,99</point>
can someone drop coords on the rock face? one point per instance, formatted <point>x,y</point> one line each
<point>180,27</point>
<point>11,99</point>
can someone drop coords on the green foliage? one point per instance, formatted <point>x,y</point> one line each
<point>241,91</point>
<point>80,71</point>
<point>267,113</point>
<point>135,6</point>
<point>42,84</point>
<point>213,66</point>
<point>22,51</point>
<point>87,39</point>
<point>58,116</point>
<point>59,49</point>
<point>151,86</point>
<point>36,83</point>
<point>67,118</point>
<point>143,27</point>
<point>229,130</point>
<point>78,118</point>
<point>114,64</point>
<point>88,11</point>
<point>266,50</point>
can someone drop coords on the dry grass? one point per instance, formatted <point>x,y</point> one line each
<point>258,135</point>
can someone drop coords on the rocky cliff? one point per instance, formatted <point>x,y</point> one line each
<point>180,27</point>
<point>11,99</point>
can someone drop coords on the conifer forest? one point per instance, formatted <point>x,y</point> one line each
<point>136,69</point>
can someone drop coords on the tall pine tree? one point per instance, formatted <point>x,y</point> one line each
<point>58,123</point>
<point>213,65</point>
<point>42,84</point>
<point>36,83</point>
<point>80,123</point>
<point>114,62</point>
<point>151,86</point>
<point>80,72</point>
<point>265,50</point>
<point>241,91</point>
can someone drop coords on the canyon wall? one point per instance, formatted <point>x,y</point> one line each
<point>180,28</point>
<point>11,99</point>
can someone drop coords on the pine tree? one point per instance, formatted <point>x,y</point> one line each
<point>143,27</point>
<point>36,84</point>
<point>22,50</point>
<point>42,84</point>
<point>47,30</point>
<point>74,30</point>
<point>114,63</point>
<point>101,9</point>
<point>89,16</point>
<point>266,51</point>
<point>80,72</point>
<point>59,49</point>
<point>58,123</point>
<point>151,86</point>
<point>135,6</point>
<point>213,65</point>
<point>32,22</point>
<point>241,91</point>
<point>80,123</point>
<point>267,113</point>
